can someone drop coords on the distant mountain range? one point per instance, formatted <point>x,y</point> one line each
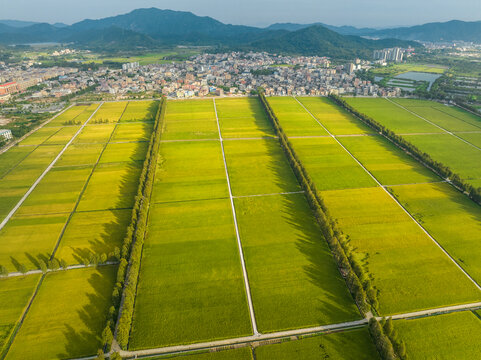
<point>150,28</point>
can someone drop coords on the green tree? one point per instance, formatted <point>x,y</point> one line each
<point>3,271</point>
<point>63,264</point>
<point>103,258</point>
<point>100,355</point>
<point>22,268</point>
<point>53,264</point>
<point>42,266</point>
<point>388,327</point>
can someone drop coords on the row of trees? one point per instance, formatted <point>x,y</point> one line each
<point>387,341</point>
<point>442,170</point>
<point>125,288</point>
<point>354,273</point>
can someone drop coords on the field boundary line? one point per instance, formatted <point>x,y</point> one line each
<point>247,340</point>
<point>35,147</point>
<point>430,122</point>
<point>239,243</point>
<point>70,267</point>
<point>84,187</point>
<point>9,146</point>
<point>396,201</point>
<point>464,121</point>
<point>45,172</point>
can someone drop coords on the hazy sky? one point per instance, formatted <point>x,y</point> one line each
<point>373,13</point>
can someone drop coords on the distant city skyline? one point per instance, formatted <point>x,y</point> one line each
<point>366,13</point>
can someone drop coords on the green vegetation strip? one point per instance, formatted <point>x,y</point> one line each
<point>127,276</point>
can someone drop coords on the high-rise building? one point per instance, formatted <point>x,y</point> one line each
<point>393,54</point>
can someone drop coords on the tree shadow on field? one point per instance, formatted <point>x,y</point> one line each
<point>321,270</point>
<point>93,316</point>
<point>113,232</point>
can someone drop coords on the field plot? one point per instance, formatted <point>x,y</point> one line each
<point>99,133</point>
<point>190,171</point>
<point>258,167</point>
<point>335,119</point>
<point>190,286</point>
<point>58,192</point>
<point>329,166</point>
<point>73,329</point>
<point>349,345</point>
<point>105,229</point>
<point>80,155</point>
<point>386,162</point>
<point>403,260</point>
<point>16,182</point>
<point>133,132</point>
<point>452,218</point>
<point>473,138</point>
<point>14,296</point>
<point>62,136</point>
<point>463,158</point>
<point>12,157</point>
<point>109,113</point>
<point>450,118</point>
<point>39,136</point>
<point>295,121</point>
<point>243,118</point>
<point>73,116</point>
<point>244,353</point>
<point>140,111</point>
<point>194,119</point>
<point>26,239</point>
<point>459,156</point>
<point>112,186</point>
<point>450,336</point>
<point>392,116</point>
<point>121,152</point>
<point>293,278</point>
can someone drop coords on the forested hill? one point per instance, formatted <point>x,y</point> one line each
<point>151,28</point>
<point>320,40</point>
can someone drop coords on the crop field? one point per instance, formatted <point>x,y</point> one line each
<point>349,345</point>
<point>14,296</point>
<point>454,139</point>
<point>335,119</point>
<point>191,257</point>
<point>451,336</point>
<point>232,248</point>
<point>243,118</point>
<point>295,121</point>
<point>329,165</point>
<point>448,215</point>
<point>80,208</point>
<point>190,120</point>
<point>140,111</point>
<point>386,162</point>
<point>403,261</point>
<point>74,328</point>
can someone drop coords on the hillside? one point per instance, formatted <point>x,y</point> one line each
<point>447,31</point>
<point>316,40</point>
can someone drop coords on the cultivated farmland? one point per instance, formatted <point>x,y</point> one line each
<point>192,257</point>
<point>448,134</point>
<point>76,213</point>
<point>239,228</point>
<point>386,239</point>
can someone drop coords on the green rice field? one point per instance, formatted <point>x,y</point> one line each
<point>451,336</point>
<point>448,134</point>
<point>349,345</point>
<point>232,248</point>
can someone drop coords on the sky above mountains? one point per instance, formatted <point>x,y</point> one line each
<point>361,13</point>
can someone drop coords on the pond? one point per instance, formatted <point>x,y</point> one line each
<point>420,76</point>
